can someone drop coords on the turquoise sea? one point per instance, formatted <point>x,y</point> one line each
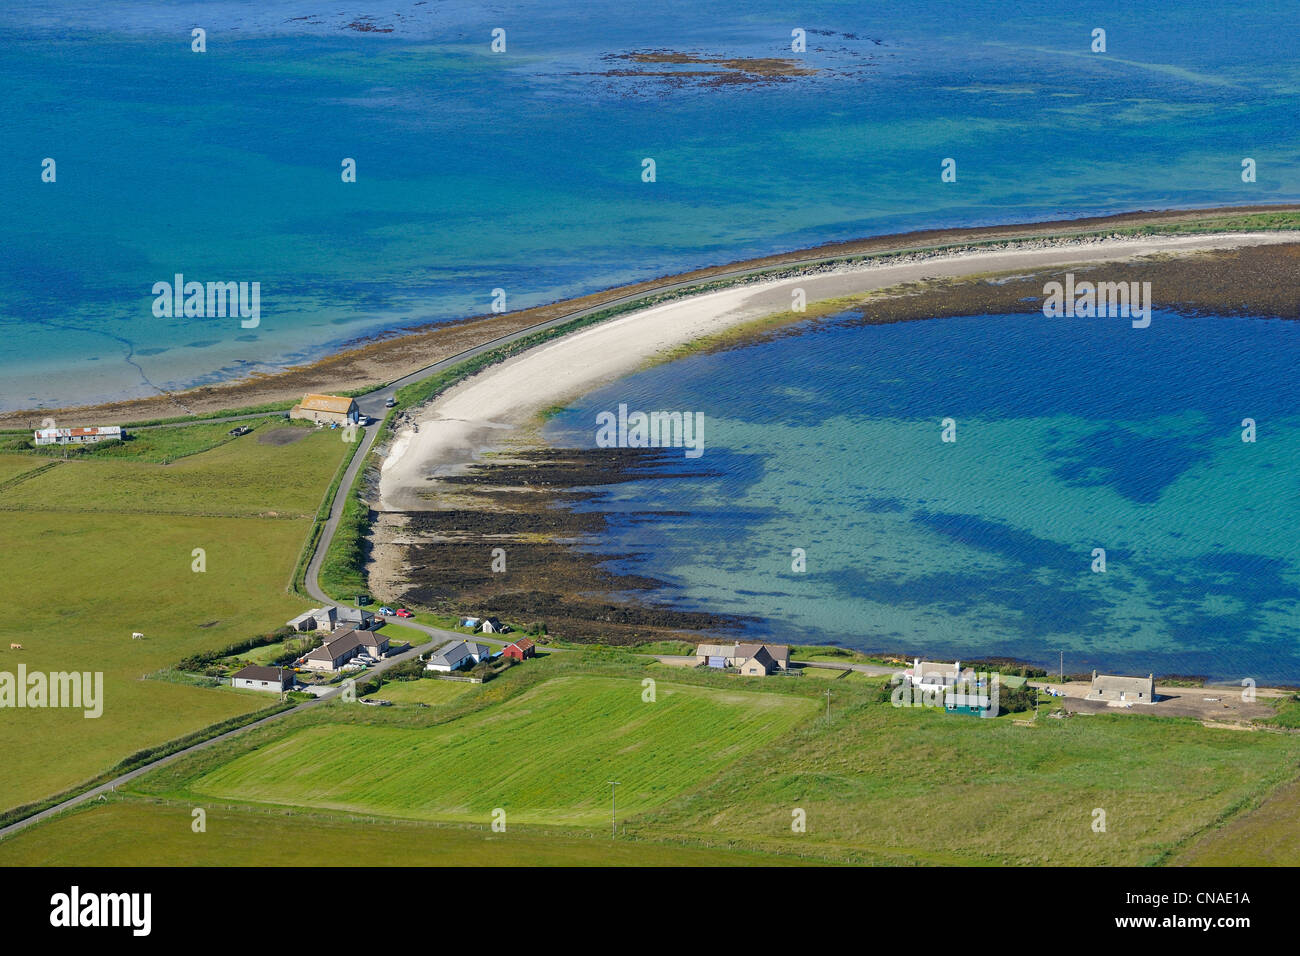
<point>1072,434</point>
<point>521,170</point>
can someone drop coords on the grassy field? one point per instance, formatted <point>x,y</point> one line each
<point>139,833</point>
<point>159,445</point>
<point>14,465</point>
<point>512,755</point>
<point>240,477</point>
<point>85,582</point>
<point>915,785</point>
<point>425,691</point>
<point>722,761</point>
<point>1267,836</point>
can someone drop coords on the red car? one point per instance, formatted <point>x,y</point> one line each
<point>403,612</point>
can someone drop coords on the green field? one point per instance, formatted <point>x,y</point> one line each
<point>158,445</point>
<point>13,465</point>
<point>903,785</point>
<point>1267,836</point>
<point>514,756</point>
<point>242,477</point>
<point>86,581</point>
<point>424,691</point>
<point>722,762</point>
<point>137,833</point>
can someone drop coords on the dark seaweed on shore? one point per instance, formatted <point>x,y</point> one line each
<point>526,505</point>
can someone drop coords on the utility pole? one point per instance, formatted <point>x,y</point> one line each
<point>828,703</point>
<point>1062,667</point>
<point>613,808</point>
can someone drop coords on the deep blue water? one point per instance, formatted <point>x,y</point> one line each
<point>1072,434</point>
<point>521,170</point>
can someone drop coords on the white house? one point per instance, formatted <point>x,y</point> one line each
<point>77,436</point>
<point>1128,690</point>
<point>456,655</point>
<point>275,679</point>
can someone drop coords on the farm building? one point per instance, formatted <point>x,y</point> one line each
<point>354,617</point>
<point>263,678</point>
<point>981,705</point>
<point>317,619</point>
<point>344,645</point>
<point>715,655</point>
<point>490,625</point>
<point>77,436</point>
<point>1133,690</point>
<point>456,655</point>
<point>521,649</point>
<point>767,658</point>
<point>326,409</point>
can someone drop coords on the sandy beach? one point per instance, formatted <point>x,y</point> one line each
<point>481,412</point>
<point>366,363</point>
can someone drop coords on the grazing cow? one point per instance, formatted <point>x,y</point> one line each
<point>15,647</point>
<point>136,636</point>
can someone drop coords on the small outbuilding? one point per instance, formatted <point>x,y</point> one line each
<point>253,677</point>
<point>521,649</point>
<point>718,656</point>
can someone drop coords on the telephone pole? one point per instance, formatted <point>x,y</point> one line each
<point>613,808</point>
<point>828,703</point>
<point>1062,667</point>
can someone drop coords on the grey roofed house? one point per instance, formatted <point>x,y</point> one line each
<point>455,654</point>
<point>255,677</point>
<point>355,617</point>
<point>306,621</point>
<point>1135,690</point>
<point>318,618</point>
<point>715,655</point>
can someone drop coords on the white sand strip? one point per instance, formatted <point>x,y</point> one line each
<point>479,412</point>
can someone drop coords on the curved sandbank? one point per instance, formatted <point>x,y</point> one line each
<point>482,411</point>
<point>370,362</point>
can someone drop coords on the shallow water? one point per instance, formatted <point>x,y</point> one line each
<point>522,170</point>
<point>1072,434</point>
